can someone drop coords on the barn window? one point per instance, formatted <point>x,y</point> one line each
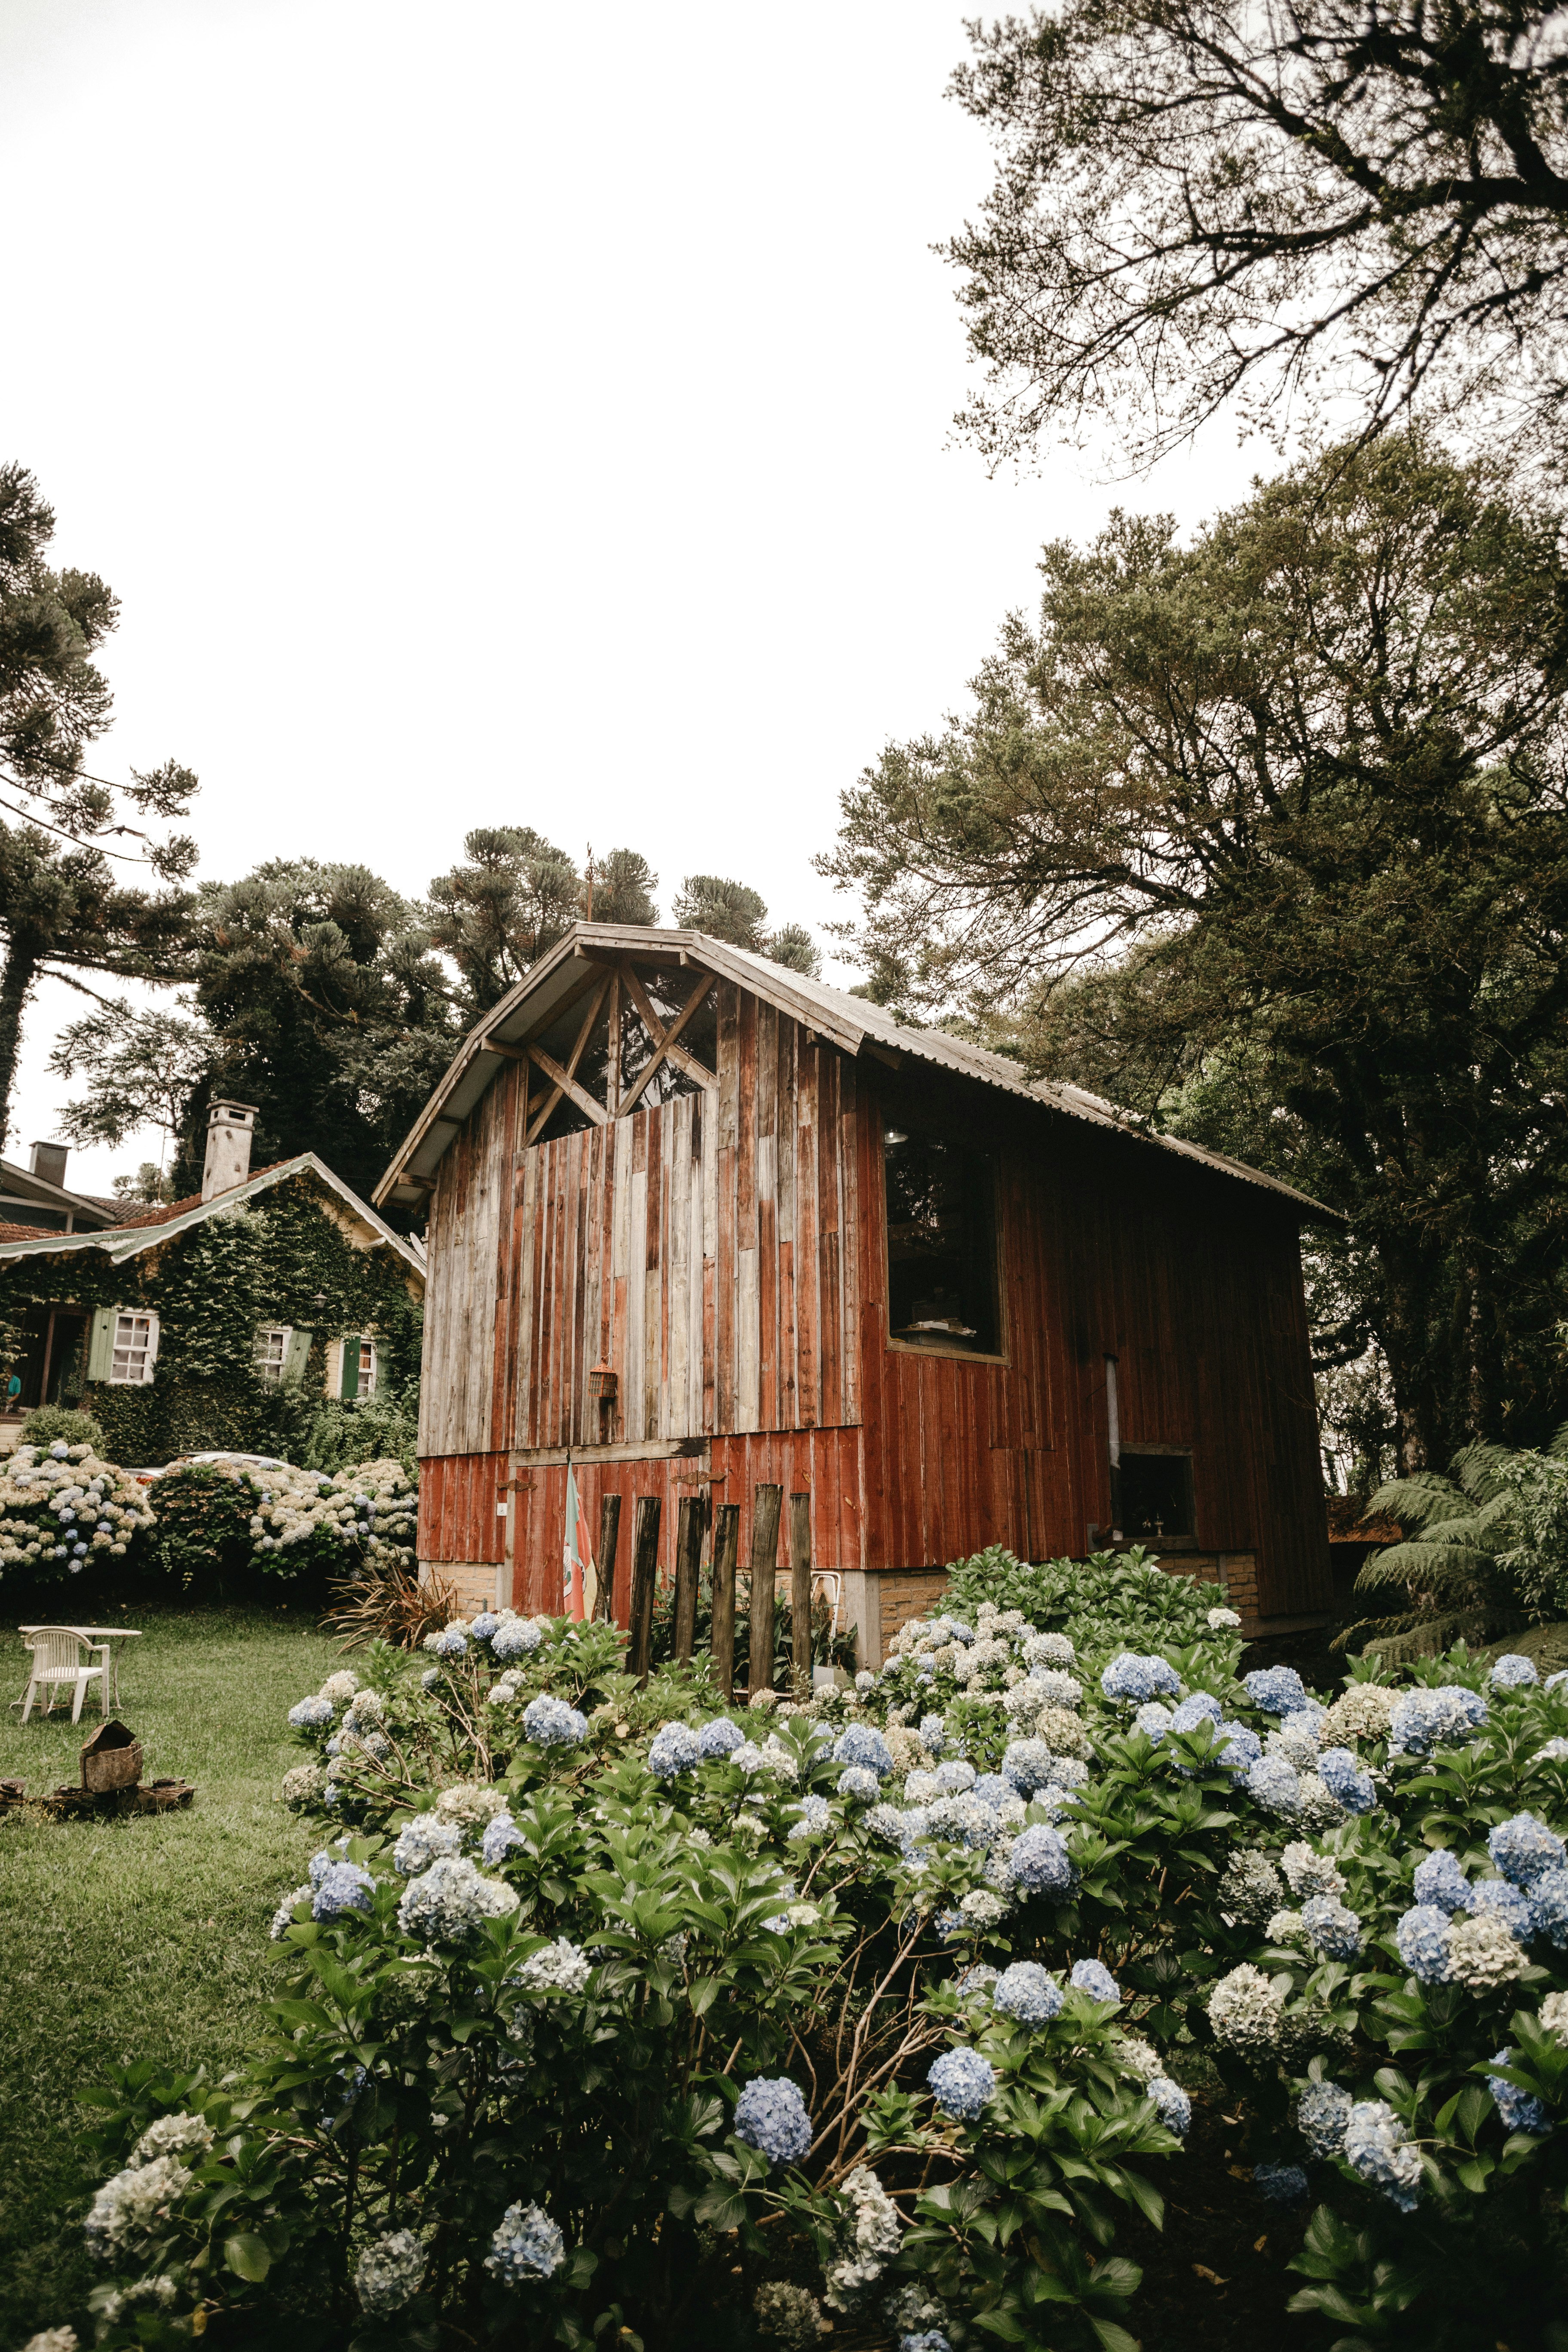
<point>134,1351</point>
<point>942,1243</point>
<point>1156,1490</point>
<point>272,1351</point>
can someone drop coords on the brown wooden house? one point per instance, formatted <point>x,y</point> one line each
<point>702,1224</point>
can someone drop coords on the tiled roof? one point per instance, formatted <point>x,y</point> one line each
<point>161,1213</point>
<point>10,1233</point>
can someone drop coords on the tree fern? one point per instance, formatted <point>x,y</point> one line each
<point>1481,1552</point>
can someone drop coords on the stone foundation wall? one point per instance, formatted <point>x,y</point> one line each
<point>476,1581</point>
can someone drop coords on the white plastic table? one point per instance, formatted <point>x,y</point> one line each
<point>101,1635</point>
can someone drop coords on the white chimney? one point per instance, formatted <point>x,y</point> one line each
<point>50,1161</point>
<point>230,1126</point>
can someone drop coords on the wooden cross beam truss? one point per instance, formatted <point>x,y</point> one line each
<point>618,989</point>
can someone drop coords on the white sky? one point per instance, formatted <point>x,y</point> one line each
<point>504,414</point>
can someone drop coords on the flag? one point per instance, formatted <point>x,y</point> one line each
<point>580,1579</point>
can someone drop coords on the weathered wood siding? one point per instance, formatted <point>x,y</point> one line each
<point>725,1254</point>
<point>1105,1249</point>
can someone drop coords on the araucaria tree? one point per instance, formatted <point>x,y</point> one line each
<point>1200,200</point>
<point>1295,794</point>
<point>66,904</point>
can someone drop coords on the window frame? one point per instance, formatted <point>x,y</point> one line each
<point>282,1332</point>
<point>949,1351</point>
<point>366,1340</point>
<point>148,1353</point>
<point>1160,1451</point>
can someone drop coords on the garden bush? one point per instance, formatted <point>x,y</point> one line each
<point>51,1425</point>
<point>615,2016</point>
<point>63,1512</point>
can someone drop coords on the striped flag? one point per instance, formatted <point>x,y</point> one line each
<point>580,1578</point>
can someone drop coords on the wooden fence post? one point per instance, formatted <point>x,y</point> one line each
<point>726,1550</point>
<point>688,1560</point>
<point>645,1572</point>
<point>609,1536</point>
<point>800,1590</point>
<point>766,1504</point>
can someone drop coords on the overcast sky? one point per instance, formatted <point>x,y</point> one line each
<point>504,414</point>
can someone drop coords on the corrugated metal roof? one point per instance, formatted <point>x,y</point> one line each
<point>848,1021</point>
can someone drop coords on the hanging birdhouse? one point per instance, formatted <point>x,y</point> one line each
<point>603,1382</point>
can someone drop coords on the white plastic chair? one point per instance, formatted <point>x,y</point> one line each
<point>57,1658</point>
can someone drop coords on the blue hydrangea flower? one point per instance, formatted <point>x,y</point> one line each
<point>962,2081</point>
<point>1130,1676</point>
<point>1440,1880</point>
<point>1420,1938</point>
<point>485,1625</point>
<point>319,1863</point>
<point>1038,1860</point>
<point>527,2246</point>
<point>1551,1752</point>
<point>954,1776</point>
<point>1283,2184</point>
<point>501,1835</point>
<point>310,1714</point>
<point>1556,1681</point>
<point>863,1745</point>
<point>1029,1992</point>
<point>1275,1784</point>
<point>448,1644</point>
<point>1549,1907</point>
<point>551,1723</point>
<point>1095,1979</point>
<point>718,1738</point>
<point>1201,1707</point>
<point>1346,1782</point>
<point>1330,1927</point>
<point>1242,1747</point>
<point>770,2116</point>
<point>421,1840</point>
<point>993,1790</point>
<point>1513,1672</point>
<point>516,1637</point>
<point>1524,1849</point>
<point>1520,2110</point>
<point>675,1748</point>
<point>928,2340</point>
<point>1377,2148</point>
<point>1028,1765</point>
<point>812,1817</point>
<point>1321,2116</point>
<point>341,1887</point>
<point>932,1734</point>
<point>1507,1904</point>
<point>1172,2104</point>
<point>857,1781</point>
<point>1424,1719</point>
<point>1278,1690</point>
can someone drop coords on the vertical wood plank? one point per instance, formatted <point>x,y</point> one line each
<point>609,1543</point>
<point>645,1572</point>
<point>688,1555</point>
<point>800,1590</point>
<point>766,1504</point>
<point>726,1552</point>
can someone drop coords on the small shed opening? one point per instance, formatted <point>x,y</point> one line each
<point>942,1288</point>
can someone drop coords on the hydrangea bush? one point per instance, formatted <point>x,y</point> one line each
<point>610,2011</point>
<point>63,1510</point>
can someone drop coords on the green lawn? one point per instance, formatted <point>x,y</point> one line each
<point>142,1937</point>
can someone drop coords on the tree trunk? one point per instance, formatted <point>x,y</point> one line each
<point>21,970</point>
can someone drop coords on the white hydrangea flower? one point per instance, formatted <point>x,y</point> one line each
<point>132,2207</point>
<point>1138,2058</point>
<point>1365,1711</point>
<point>389,2273</point>
<point>1223,1621</point>
<point>561,1966</point>
<point>870,2235</point>
<point>1246,2011</point>
<point>1308,1873</point>
<point>1482,1954</point>
<point>472,1803</point>
<point>189,2137</point>
<point>1554,2016</point>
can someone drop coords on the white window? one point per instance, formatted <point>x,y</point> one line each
<point>366,1369</point>
<point>272,1351</point>
<point>135,1351</point>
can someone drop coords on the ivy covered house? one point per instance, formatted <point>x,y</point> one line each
<point>220,1321</point>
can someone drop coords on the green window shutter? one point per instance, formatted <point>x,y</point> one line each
<point>294,1356</point>
<point>349,1385</point>
<point>101,1343</point>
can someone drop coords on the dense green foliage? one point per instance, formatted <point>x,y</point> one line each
<point>265,1261</point>
<point>1485,1551</point>
<point>1263,835</point>
<point>64,906</point>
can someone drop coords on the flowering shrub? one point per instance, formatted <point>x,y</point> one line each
<point>62,1511</point>
<point>609,2009</point>
<point>364,1515</point>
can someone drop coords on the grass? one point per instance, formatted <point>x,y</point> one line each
<point>141,1937</point>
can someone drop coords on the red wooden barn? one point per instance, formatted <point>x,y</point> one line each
<point>803,1243</point>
